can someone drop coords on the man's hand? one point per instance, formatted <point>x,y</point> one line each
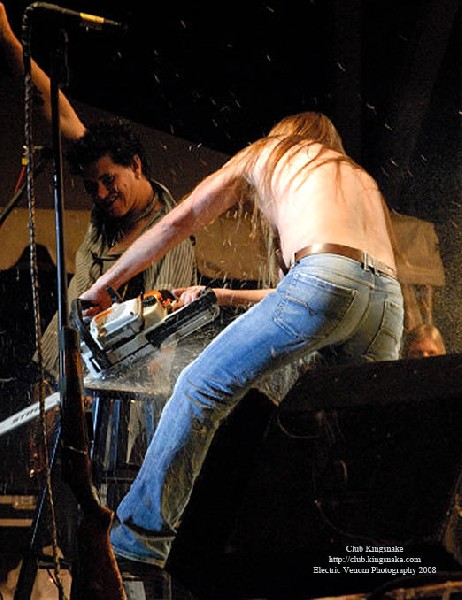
<point>96,299</point>
<point>185,296</point>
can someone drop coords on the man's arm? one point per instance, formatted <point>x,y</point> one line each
<point>71,126</point>
<point>225,296</point>
<point>210,198</point>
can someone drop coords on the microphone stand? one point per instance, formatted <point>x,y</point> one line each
<point>59,60</point>
<point>30,563</point>
<point>95,574</point>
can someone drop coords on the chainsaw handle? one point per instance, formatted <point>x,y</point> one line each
<point>85,304</point>
<point>77,307</point>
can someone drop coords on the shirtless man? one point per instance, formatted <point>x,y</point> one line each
<point>340,290</point>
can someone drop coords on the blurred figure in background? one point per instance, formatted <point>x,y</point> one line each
<point>423,341</point>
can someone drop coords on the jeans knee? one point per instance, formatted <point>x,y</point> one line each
<point>207,393</point>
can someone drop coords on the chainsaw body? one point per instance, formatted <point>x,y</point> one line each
<point>128,331</point>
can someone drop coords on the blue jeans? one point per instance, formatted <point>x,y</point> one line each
<point>324,300</point>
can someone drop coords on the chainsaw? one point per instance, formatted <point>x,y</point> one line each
<point>131,330</point>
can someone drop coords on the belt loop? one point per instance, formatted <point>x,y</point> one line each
<point>364,260</point>
<point>369,264</point>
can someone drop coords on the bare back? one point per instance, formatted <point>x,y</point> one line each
<point>328,202</point>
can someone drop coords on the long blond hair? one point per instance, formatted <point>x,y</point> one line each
<point>309,126</point>
<point>293,134</point>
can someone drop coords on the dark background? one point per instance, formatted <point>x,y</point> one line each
<point>386,71</point>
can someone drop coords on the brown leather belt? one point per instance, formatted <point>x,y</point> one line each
<point>363,257</point>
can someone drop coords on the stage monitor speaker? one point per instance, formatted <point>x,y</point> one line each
<point>359,455</point>
<point>373,451</point>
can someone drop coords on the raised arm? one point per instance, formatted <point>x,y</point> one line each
<point>71,126</point>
